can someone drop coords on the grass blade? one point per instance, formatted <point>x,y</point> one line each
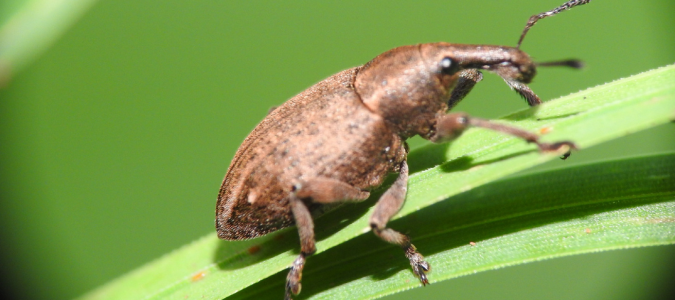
<point>615,204</point>
<point>30,27</point>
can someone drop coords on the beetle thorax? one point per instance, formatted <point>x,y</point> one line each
<point>404,89</point>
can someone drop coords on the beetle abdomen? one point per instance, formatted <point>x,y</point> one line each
<point>283,150</point>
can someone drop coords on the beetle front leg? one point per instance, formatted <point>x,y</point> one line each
<point>524,91</point>
<point>388,205</point>
<point>451,126</point>
<point>467,80</point>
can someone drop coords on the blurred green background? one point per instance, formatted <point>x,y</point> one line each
<point>115,140</point>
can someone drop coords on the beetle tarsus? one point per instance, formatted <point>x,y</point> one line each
<point>293,285</point>
<point>558,147</point>
<point>419,265</point>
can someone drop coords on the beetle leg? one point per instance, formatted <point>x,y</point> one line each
<point>388,205</point>
<point>303,220</point>
<point>328,190</point>
<point>467,80</point>
<point>451,126</point>
<point>320,190</point>
<point>524,91</point>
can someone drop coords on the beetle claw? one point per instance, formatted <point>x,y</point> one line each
<point>419,266</point>
<point>294,277</point>
<point>567,146</point>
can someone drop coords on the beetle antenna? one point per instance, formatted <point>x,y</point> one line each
<point>533,19</point>
<point>572,63</point>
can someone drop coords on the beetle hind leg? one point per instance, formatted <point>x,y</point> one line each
<point>319,190</point>
<point>303,220</point>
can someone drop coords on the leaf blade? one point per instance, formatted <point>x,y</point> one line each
<point>31,28</point>
<point>631,208</point>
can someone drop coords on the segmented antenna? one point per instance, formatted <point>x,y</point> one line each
<point>572,63</point>
<point>533,19</point>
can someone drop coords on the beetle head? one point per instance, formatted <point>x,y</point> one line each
<point>410,86</point>
<point>507,62</point>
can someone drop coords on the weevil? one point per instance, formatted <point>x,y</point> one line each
<point>340,138</point>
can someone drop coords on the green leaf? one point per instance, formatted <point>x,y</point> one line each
<point>212,269</point>
<point>612,205</point>
<point>28,27</point>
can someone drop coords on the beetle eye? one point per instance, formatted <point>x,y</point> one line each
<point>448,66</point>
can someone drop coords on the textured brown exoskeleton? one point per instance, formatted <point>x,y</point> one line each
<point>341,137</point>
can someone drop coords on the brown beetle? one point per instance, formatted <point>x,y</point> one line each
<point>341,137</point>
